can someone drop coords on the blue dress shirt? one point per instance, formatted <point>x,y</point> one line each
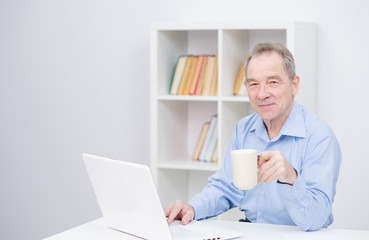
<point>309,145</point>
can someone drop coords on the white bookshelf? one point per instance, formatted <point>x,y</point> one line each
<point>176,121</point>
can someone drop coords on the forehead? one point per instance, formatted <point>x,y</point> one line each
<point>265,63</point>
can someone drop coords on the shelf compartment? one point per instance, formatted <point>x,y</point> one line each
<point>179,125</point>
<point>172,44</point>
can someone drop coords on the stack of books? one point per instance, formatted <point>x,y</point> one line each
<point>206,147</point>
<point>195,75</point>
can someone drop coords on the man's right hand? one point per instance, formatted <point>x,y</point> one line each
<point>179,210</point>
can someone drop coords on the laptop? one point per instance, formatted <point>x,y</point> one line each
<point>129,202</point>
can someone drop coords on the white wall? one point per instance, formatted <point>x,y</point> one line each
<point>74,77</point>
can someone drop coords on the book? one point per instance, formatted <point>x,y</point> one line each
<point>200,141</point>
<point>209,71</point>
<point>200,85</point>
<point>185,75</point>
<point>240,76</point>
<point>242,91</point>
<point>209,134</point>
<point>196,77</point>
<point>214,157</point>
<point>211,147</point>
<point>178,72</point>
<point>214,79</point>
<point>190,76</point>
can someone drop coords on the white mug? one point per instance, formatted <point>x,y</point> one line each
<point>244,168</point>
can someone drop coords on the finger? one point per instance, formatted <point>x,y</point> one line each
<point>177,207</point>
<point>260,160</point>
<point>264,157</point>
<point>272,175</point>
<point>266,170</point>
<point>172,216</point>
<point>167,209</point>
<point>188,215</point>
<point>186,218</point>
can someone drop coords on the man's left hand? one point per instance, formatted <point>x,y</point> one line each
<point>273,165</point>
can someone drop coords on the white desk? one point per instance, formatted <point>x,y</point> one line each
<point>96,230</point>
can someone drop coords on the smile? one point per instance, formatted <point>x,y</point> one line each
<point>266,107</point>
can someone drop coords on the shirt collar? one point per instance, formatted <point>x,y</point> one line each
<point>293,126</point>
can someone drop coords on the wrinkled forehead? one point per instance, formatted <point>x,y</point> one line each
<point>265,61</point>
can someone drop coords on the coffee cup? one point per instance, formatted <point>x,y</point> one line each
<point>244,168</point>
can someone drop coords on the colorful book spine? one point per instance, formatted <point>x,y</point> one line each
<point>196,77</point>
<point>185,75</point>
<point>200,141</point>
<point>208,138</point>
<point>208,76</point>
<point>240,77</point>
<point>177,76</point>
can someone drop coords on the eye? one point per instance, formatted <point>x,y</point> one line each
<point>273,82</point>
<point>253,84</point>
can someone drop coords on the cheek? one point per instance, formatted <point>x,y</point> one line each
<point>251,92</point>
<point>282,93</point>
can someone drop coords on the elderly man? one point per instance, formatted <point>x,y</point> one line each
<point>299,157</point>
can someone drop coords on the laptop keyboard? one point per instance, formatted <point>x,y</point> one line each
<point>183,234</point>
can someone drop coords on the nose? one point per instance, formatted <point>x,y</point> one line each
<point>263,91</point>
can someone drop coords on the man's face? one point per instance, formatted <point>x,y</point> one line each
<point>269,88</point>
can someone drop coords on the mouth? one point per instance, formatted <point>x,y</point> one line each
<point>266,107</point>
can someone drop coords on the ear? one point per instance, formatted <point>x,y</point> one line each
<point>295,85</point>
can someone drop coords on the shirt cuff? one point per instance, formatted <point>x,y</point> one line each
<point>297,190</point>
<point>197,207</point>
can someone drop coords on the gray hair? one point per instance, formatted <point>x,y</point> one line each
<point>281,50</point>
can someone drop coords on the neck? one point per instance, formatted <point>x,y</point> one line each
<point>275,125</point>
<point>272,128</point>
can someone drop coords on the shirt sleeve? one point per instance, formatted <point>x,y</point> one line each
<point>309,200</point>
<point>220,194</point>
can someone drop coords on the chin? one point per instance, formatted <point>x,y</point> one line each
<point>266,115</point>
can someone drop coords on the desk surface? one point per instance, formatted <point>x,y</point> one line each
<point>96,230</point>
